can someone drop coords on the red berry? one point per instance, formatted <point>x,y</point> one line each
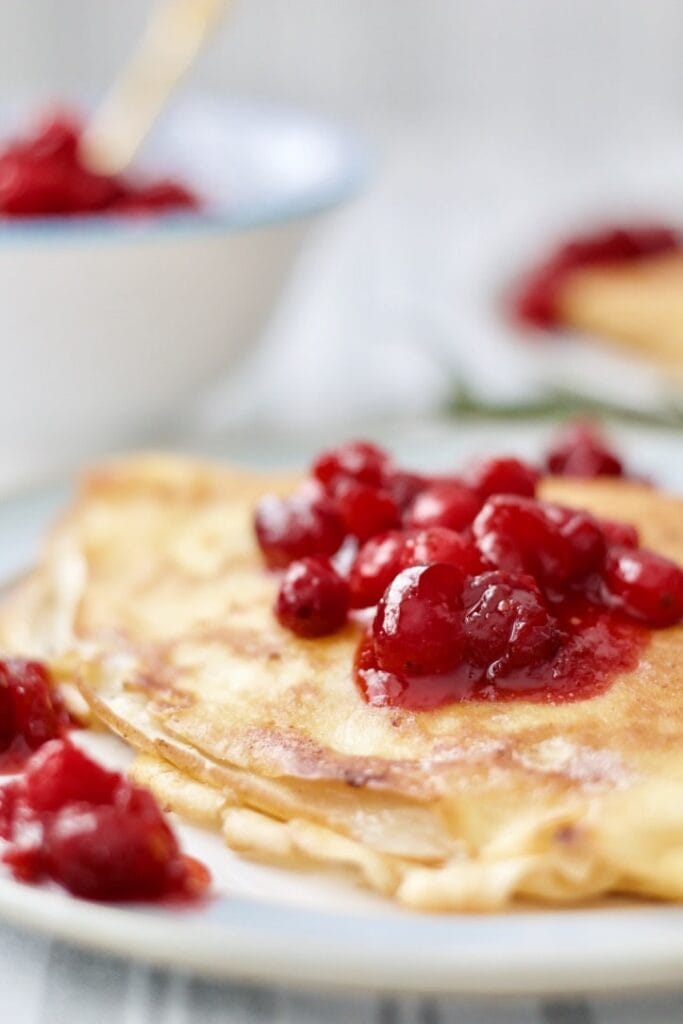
<point>120,852</point>
<point>313,599</point>
<point>418,626</point>
<point>384,556</point>
<point>27,708</point>
<point>580,451</point>
<point>557,546</point>
<point>438,544</point>
<point>403,486</point>
<point>61,774</point>
<point>375,565</point>
<point>291,528</point>
<point>354,460</point>
<point>10,796</point>
<point>444,504</point>
<point>537,299</point>
<point>645,586</point>
<point>503,476</point>
<point>91,831</point>
<point>619,534</point>
<point>507,624</point>
<point>365,510</point>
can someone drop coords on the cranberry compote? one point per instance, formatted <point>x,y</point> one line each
<point>313,599</point>
<point>361,461</point>
<point>503,476</point>
<point>30,711</point>
<point>572,653</point>
<point>42,175</point>
<point>537,301</point>
<point>91,831</point>
<point>507,623</point>
<point>555,545</point>
<point>580,450</point>
<point>418,624</point>
<point>467,588</point>
<point>289,528</point>
<point>384,556</point>
<point>444,504</point>
<point>645,586</point>
<point>365,510</point>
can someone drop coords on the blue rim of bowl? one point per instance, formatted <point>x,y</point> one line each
<point>343,183</point>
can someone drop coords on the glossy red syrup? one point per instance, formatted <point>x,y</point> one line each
<point>536,301</point>
<point>471,587</point>
<point>91,831</point>
<point>30,711</point>
<point>597,645</point>
<point>42,175</point>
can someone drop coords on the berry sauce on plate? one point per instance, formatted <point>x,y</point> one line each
<point>42,175</point>
<point>69,821</point>
<point>30,711</point>
<point>536,302</point>
<point>470,587</point>
<point>65,819</point>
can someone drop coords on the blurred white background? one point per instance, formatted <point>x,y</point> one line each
<point>484,115</point>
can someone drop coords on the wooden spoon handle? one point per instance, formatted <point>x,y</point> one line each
<point>172,39</point>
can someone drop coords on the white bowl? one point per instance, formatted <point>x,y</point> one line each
<point>108,326</point>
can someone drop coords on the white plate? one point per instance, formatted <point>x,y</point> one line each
<point>271,925</point>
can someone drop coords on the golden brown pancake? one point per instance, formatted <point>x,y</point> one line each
<point>636,305</point>
<point>151,594</point>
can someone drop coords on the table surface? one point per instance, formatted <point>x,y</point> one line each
<point>45,982</point>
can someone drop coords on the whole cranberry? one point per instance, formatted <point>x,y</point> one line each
<point>60,774</point>
<point>291,528</point>
<point>645,585</point>
<point>375,565</point>
<point>619,534</point>
<point>418,625</point>
<point>384,556</point>
<point>438,544</point>
<point>404,486</point>
<point>365,510</point>
<point>503,476</point>
<point>124,851</point>
<point>579,450</point>
<point>27,708</point>
<point>313,599</point>
<point>443,504</point>
<point>557,546</point>
<point>507,624</point>
<point>354,460</point>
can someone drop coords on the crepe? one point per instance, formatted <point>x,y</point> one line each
<point>637,306</point>
<point>151,595</point>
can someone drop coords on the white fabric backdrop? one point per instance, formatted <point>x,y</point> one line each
<point>476,108</point>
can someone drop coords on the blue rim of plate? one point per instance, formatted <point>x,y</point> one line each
<point>351,170</point>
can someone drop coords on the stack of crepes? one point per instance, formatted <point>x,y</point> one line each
<point>151,605</point>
